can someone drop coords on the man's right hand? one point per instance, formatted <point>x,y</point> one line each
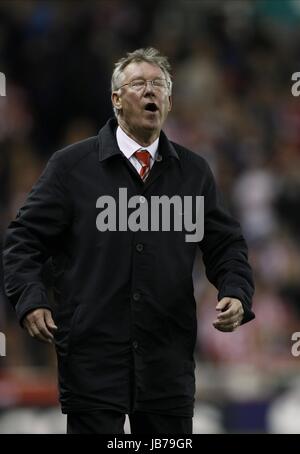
<point>39,324</point>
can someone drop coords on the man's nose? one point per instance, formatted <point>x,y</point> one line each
<point>149,86</point>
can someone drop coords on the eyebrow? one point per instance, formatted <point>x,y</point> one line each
<point>143,78</point>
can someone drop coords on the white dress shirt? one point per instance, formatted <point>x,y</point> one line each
<point>128,147</point>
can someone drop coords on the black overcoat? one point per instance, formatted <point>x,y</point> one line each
<point>124,301</point>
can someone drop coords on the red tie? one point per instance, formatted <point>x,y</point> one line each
<point>143,156</point>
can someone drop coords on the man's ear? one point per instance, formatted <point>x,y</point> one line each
<point>170,103</point>
<point>116,100</point>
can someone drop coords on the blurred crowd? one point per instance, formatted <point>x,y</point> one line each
<point>232,64</point>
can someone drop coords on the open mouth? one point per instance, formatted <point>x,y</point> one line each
<point>151,107</point>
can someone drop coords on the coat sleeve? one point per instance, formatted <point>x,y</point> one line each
<point>225,252</point>
<point>32,238</point>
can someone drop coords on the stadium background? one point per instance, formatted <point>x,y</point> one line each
<point>232,63</point>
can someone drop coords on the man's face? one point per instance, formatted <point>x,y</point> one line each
<point>142,111</point>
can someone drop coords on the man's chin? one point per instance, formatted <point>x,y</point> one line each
<point>151,123</point>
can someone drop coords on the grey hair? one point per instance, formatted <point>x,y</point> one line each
<point>148,55</point>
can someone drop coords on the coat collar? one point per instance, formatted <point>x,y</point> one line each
<point>108,146</point>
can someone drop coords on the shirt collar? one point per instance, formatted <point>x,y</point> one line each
<point>128,146</point>
<point>108,147</point>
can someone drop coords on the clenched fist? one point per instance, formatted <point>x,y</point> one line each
<point>230,315</point>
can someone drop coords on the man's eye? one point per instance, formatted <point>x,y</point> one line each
<point>158,83</point>
<point>137,83</point>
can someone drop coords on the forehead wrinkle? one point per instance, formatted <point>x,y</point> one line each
<point>139,72</point>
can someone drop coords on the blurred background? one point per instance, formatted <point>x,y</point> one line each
<point>232,66</point>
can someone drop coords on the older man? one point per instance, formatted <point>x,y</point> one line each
<point>124,318</point>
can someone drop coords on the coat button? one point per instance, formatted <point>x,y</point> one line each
<point>142,199</point>
<point>136,296</point>
<point>135,344</point>
<point>139,247</point>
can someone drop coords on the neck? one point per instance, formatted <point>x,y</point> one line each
<point>142,137</point>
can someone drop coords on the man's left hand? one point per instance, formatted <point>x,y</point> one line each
<point>230,315</point>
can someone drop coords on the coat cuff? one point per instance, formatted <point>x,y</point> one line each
<point>32,297</point>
